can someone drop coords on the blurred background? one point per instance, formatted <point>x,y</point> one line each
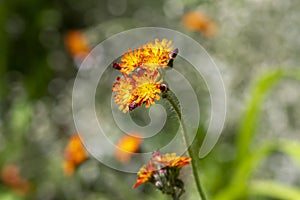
<point>255,43</point>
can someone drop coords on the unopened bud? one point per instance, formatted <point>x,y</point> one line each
<point>116,66</point>
<point>132,106</point>
<point>163,87</point>
<point>174,53</point>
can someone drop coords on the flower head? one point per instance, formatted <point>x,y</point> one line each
<point>127,144</point>
<point>171,160</point>
<point>151,56</point>
<point>157,54</point>
<point>123,88</point>
<point>131,60</point>
<point>136,89</point>
<point>74,154</point>
<point>145,174</point>
<point>163,172</point>
<point>147,87</point>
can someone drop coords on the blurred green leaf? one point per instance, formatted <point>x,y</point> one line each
<point>262,87</point>
<point>291,149</point>
<point>6,195</point>
<point>247,161</point>
<point>250,117</point>
<point>274,190</point>
<point>238,185</point>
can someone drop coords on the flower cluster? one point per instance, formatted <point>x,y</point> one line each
<point>163,171</point>
<point>74,154</point>
<point>141,81</point>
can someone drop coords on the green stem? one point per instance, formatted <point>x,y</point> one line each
<point>175,197</point>
<point>189,150</point>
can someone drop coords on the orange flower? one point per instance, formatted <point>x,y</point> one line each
<point>10,175</point>
<point>141,80</point>
<point>142,87</point>
<point>74,154</point>
<point>131,60</point>
<point>157,54</point>
<point>127,144</point>
<point>171,160</point>
<point>150,56</point>
<point>77,44</point>
<point>147,87</point>
<point>145,174</point>
<point>123,89</point>
<point>196,21</point>
<point>163,171</point>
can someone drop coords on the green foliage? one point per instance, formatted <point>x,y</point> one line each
<point>273,190</point>
<point>247,161</point>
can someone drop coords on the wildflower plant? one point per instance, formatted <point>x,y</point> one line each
<point>145,75</point>
<point>142,83</point>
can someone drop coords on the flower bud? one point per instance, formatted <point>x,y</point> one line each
<point>174,53</point>
<point>116,66</point>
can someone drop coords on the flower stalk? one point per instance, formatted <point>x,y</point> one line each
<point>189,150</point>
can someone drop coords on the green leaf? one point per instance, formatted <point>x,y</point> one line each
<point>247,161</point>
<point>251,115</point>
<point>238,184</point>
<point>274,190</point>
<point>262,87</point>
<point>292,149</point>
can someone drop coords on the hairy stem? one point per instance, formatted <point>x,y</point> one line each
<point>189,150</point>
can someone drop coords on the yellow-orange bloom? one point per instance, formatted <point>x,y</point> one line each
<point>131,60</point>
<point>150,56</point>
<point>10,175</point>
<point>127,144</point>
<point>157,54</point>
<point>135,89</point>
<point>77,44</point>
<point>197,21</point>
<point>145,174</point>
<point>123,89</point>
<point>147,87</point>
<point>171,160</point>
<point>162,171</point>
<point>74,154</point>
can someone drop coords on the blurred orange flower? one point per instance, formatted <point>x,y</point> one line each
<point>126,146</point>
<point>10,175</point>
<point>77,44</point>
<point>196,21</point>
<point>74,154</point>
